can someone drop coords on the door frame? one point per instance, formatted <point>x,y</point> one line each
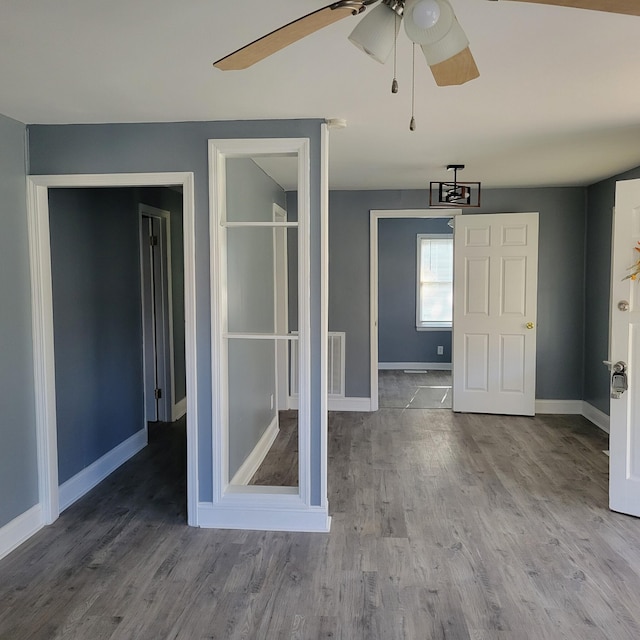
<point>164,365</point>
<point>374,216</point>
<point>281,302</point>
<point>42,322</point>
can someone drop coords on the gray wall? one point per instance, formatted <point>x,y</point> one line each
<point>95,270</point>
<point>398,338</point>
<point>157,147</point>
<point>600,202</point>
<point>250,294</point>
<point>560,277</point>
<point>18,458</point>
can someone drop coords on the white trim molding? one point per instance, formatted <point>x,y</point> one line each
<point>166,377</point>
<point>20,529</point>
<point>179,409</point>
<point>265,518</point>
<point>336,403</point>
<point>324,321</point>
<point>42,304</point>
<point>420,366</point>
<point>349,404</point>
<point>253,461</point>
<point>599,418</point>
<point>269,508</point>
<point>80,484</point>
<point>573,407</point>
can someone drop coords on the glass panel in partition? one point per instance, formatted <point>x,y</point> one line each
<point>254,184</point>
<point>262,280</point>
<point>263,431</point>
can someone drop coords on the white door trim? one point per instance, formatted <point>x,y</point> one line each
<point>42,322</point>
<point>375,216</point>
<point>167,376</point>
<point>281,305</point>
<point>324,317</point>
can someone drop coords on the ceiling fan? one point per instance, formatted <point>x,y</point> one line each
<point>432,24</point>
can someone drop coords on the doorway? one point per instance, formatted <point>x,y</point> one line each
<point>157,314</point>
<point>493,357</point>
<point>44,347</point>
<point>412,369</point>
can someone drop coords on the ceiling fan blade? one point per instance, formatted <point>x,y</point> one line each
<point>456,70</point>
<point>290,33</point>
<point>628,7</point>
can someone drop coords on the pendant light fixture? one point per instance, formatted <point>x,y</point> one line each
<point>454,194</point>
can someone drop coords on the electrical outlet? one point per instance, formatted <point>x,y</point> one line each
<point>271,401</point>
<point>440,350</point>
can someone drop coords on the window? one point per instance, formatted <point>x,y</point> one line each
<point>434,299</point>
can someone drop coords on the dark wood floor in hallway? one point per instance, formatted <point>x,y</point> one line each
<point>445,526</point>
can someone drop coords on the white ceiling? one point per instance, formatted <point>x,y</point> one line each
<point>557,101</point>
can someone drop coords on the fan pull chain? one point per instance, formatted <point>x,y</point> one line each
<point>412,123</point>
<point>394,84</point>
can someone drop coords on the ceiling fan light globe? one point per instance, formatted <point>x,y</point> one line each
<point>429,34</point>
<point>376,33</point>
<point>425,13</point>
<point>454,41</point>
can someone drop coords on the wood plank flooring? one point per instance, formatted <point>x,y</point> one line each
<point>414,390</point>
<point>280,466</point>
<point>445,526</point>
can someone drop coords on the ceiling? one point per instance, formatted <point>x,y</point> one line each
<point>557,101</point>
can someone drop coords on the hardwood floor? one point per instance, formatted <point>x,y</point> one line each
<point>280,466</point>
<point>414,390</point>
<point>445,526</point>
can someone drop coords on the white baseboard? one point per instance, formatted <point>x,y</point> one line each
<point>349,404</point>
<point>599,418</point>
<point>88,478</point>
<point>431,366</point>
<point>14,533</point>
<point>256,457</point>
<point>575,407</point>
<point>179,409</point>
<point>312,519</point>
<point>335,403</point>
<point>559,406</point>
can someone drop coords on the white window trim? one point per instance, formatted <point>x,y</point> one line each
<point>428,326</point>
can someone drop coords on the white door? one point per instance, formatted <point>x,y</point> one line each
<point>494,313</point>
<point>624,347</point>
<point>155,318</point>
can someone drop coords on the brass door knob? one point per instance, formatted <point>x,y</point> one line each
<point>530,325</point>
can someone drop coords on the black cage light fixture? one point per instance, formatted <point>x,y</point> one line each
<point>454,194</point>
